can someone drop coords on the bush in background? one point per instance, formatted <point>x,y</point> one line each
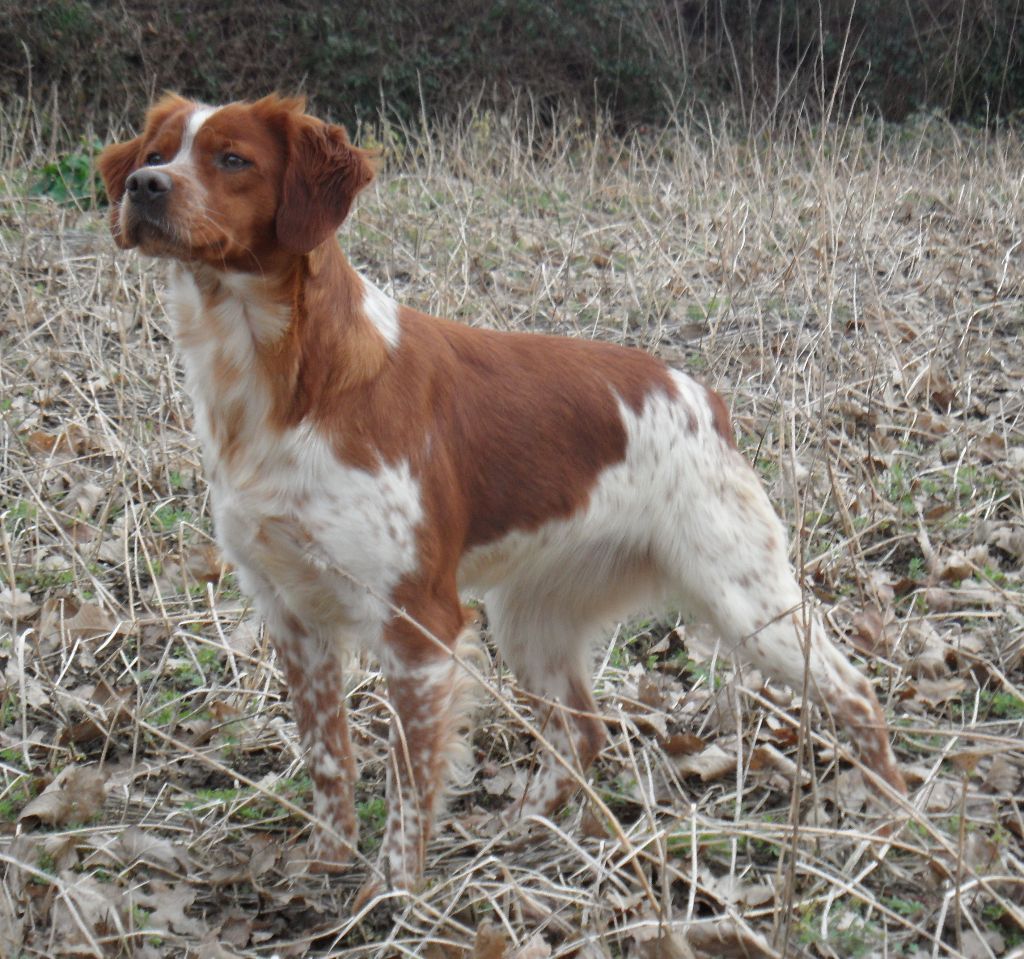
<point>639,60</point>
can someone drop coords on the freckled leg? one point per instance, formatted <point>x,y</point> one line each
<point>739,572</point>
<point>427,690</point>
<point>313,672</point>
<point>549,656</point>
<point>778,649</point>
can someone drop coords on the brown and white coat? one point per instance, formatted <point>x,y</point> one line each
<point>368,464</point>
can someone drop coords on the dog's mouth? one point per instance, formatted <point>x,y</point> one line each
<point>159,236</point>
<point>150,235</point>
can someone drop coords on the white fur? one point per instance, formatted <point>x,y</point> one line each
<point>183,162</point>
<point>305,531</point>
<point>382,312</point>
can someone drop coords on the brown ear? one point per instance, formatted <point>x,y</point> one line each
<point>115,164</point>
<point>323,176</point>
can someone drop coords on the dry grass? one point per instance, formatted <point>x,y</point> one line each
<point>855,291</point>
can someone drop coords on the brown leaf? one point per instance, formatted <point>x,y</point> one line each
<point>206,564</point>
<point>75,796</point>
<point>114,709</point>
<point>726,938</point>
<point>1002,776</point>
<point>667,944</point>
<point>975,946</point>
<point>649,693</point>
<point>236,930</point>
<point>1010,539</point>
<point>16,604</point>
<point>88,909</point>
<point>83,498</point>
<point>73,620</point>
<point>212,948</point>
<point>767,757</point>
<point>490,942</point>
<point>710,764</point>
<point>868,631</point>
<point>965,760</point>
<point>931,654</point>
<point>592,826</point>
<point>952,566</point>
<point>536,947</point>
<point>939,600</point>
<point>682,744</point>
<point>168,902</point>
<point>136,845</point>
<point>934,692</point>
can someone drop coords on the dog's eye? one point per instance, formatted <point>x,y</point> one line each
<point>154,159</point>
<point>232,161</point>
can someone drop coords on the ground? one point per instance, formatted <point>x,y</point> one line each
<point>856,293</point>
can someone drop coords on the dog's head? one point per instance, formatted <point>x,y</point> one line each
<point>237,187</point>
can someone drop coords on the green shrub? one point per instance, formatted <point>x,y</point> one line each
<point>72,177</point>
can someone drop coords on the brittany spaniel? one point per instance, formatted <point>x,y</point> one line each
<point>368,463</point>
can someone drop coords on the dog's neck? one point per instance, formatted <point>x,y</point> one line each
<point>270,351</point>
<point>311,327</point>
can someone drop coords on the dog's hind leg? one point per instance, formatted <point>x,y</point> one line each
<point>731,563</point>
<point>550,655</point>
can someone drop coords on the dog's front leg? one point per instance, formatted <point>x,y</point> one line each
<point>424,687</point>
<point>312,669</point>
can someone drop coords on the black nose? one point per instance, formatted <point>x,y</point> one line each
<point>148,186</point>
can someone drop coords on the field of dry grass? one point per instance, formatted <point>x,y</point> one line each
<point>856,292</point>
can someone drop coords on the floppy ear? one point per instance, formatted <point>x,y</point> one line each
<point>323,175</point>
<point>116,162</point>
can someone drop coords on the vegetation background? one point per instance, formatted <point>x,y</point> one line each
<point>816,206</point>
<point>637,61</point>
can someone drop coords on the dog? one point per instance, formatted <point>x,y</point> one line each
<point>368,463</point>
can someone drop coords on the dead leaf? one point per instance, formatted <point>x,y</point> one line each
<point>682,744</point>
<point>767,757</point>
<point>1002,776</point>
<point>934,692</point>
<point>89,910</point>
<point>710,764</point>
<point>206,564</point>
<point>16,604</point>
<point>726,938</point>
<point>536,947</point>
<point>952,566</point>
<point>1010,539</point>
<point>113,708</point>
<point>592,826</point>
<point>880,584</point>
<point>965,760</point>
<point>983,594</point>
<point>167,903</point>
<point>212,948</point>
<point>75,796</point>
<point>245,637</point>
<point>667,944</point>
<point>68,618</point>
<point>939,600</point>
<point>980,853</point>
<point>701,642</point>
<point>136,845</point>
<point>649,693</point>
<point>83,498</point>
<point>931,654</point>
<point>974,946</point>
<point>869,632</point>
<point>264,853</point>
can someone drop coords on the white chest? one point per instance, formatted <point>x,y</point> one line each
<point>326,540</point>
